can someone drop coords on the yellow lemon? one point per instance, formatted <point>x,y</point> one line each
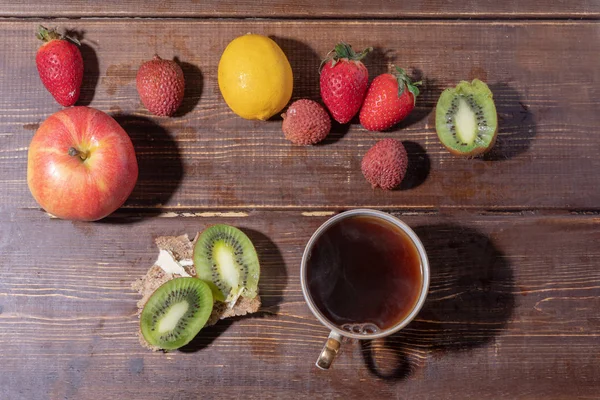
<point>255,77</point>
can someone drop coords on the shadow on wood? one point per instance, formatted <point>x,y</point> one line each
<point>305,67</point>
<point>378,61</point>
<point>272,284</point>
<point>418,166</point>
<point>273,272</point>
<point>91,68</point>
<point>470,302</point>
<point>193,87</point>
<point>516,124</point>
<point>159,161</point>
<point>338,131</point>
<point>206,336</point>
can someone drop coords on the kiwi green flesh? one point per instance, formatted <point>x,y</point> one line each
<point>216,292</point>
<point>225,256</point>
<point>176,312</point>
<point>466,120</point>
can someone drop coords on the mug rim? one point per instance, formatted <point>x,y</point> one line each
<point>424,270</point>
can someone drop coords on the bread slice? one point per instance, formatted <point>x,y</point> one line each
<point>181,249</point>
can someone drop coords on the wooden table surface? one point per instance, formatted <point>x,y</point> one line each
<point>513,237</point>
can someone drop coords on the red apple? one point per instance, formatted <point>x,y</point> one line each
<point>81,164</point>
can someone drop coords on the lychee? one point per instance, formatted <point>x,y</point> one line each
<point>160,84</point>
<point>306,122</point>
<point>385,164</point>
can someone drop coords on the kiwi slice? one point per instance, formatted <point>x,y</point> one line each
<point>176,312</point>
<point>465,118</point>
<point>225,256</point>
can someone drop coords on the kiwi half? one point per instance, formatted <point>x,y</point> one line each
<point>225,256</point>
<point>465,118</point>
<point>176,312</point>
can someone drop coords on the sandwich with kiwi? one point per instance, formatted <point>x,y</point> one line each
<point>194,284</point>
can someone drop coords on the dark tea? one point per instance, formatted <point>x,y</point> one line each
<point>364,274</point>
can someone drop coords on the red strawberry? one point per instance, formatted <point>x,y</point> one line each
<point>344,81</point>
<point>60,66</point>
<point>390,98</point>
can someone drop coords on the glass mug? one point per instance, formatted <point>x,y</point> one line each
<point>333,343</point>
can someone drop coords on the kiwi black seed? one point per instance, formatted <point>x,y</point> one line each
<point>225,256</point>
<point>465,118</point>
<point>176,312</point>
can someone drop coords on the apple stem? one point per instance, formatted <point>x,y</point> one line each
<point>74,152</point>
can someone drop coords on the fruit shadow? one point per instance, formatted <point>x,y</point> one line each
<point>305,67</point>
<point>516,124</point>
<point>338,131</point>
<point>470,301</point>
<point>91,68</point>
<point>419,166</point>
<point>273,273</point>
<point>206,336</point>
<point>159,164</point>
<point>193,87</point>
<point>271,286</point>
<point>379,61</point>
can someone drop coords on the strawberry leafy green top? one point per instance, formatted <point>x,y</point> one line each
<point>48,35</point>
<point>343,51</point>
<point>404,80</point>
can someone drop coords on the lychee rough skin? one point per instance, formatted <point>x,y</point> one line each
<point>385,164</point>
<point>306,122</point>
<point>160,84</point>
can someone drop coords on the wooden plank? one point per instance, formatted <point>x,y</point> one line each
<point>513,307</point>
<point>544,76</point>
<point>308,9</point>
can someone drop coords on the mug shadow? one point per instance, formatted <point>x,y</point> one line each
<point>159,164</point>
<point>470,301</point>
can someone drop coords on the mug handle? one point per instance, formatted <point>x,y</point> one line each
<point>330,350</point>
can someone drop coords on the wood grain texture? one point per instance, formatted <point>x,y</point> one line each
<point>544,77</point>
<point>512,313</point>
<point>308,9</point>
<point>514,299</point>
